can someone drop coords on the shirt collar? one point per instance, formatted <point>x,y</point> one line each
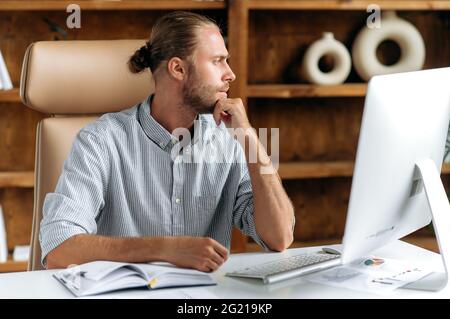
<point>159,134</point>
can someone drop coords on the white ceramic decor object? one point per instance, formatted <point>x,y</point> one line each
<point>447,148</point>
<point>327,45</point>
<point>4,75</point>
<point>21,253</point>
<point>408,38</point>
<point>3,243</point>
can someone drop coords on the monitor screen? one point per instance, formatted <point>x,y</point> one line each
<point>405,120</point>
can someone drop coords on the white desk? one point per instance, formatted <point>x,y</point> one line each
<point>41,284</point>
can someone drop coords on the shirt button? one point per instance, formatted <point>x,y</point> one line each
<point>174,141</point>
<point>161,144</point>
<point>177,200</point>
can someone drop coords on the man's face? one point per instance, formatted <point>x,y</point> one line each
<point>208,79</point>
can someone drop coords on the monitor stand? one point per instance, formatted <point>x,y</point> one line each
<point>440,214</point>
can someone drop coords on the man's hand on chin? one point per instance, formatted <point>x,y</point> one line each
<point>232,113</point>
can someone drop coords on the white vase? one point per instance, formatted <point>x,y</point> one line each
<point>408,38</point>
<point>447,148</point>
<point>3,242</point>
<point>327,45</point>
<point>5,80</point>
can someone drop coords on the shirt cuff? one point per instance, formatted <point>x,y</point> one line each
<point>51,236</point>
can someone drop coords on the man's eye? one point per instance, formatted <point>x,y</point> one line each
<point>216,61</point>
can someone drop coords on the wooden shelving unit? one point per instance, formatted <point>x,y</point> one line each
<point>266,41</point>
<point>25,24</point>
<point>264,37</point>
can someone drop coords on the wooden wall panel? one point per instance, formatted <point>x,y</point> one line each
<point>320,207</point>
<point>17,207</point>
<point>311,129</point>
<point>317,130</point>
<point>276,49</point>
<point>17,137</point>
<point>314,130</point>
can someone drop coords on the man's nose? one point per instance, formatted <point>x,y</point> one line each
<point>229,76</point>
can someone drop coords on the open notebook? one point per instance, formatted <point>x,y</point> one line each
<point>104,276</point>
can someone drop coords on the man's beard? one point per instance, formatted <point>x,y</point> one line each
<point>199,97</point>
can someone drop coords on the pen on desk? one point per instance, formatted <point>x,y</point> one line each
<point>381,282</point>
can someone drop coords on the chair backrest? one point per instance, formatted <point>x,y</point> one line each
<point>74,82</point>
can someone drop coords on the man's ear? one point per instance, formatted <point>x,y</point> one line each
<point>177,68</point>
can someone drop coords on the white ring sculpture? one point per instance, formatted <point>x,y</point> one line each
<point>393,28</point>
<point>327,45</point>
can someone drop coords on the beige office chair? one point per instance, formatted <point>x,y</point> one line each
<point>74,82</point>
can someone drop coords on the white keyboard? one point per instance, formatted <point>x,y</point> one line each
<point>289,267</point>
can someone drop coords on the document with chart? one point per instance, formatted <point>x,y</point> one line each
<point>372,274</point>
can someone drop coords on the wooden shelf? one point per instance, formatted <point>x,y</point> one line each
<point>17,179</point>
<point>111,4</point>
<point>306,90</point>
<point>303,170</point>
<point>12,95</point>
<point>347,5</point>
<point>445,168</point>
<point>426,242</point>
<point>265,91</point>
<point>298,170</point>
<point>217,4</point>
<point>288,170</point>
<point>254,247</point>
<point>13,266</point>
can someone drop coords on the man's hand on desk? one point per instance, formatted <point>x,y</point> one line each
<point>201,253</point>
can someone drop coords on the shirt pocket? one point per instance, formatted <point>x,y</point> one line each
<point>205,203</point>
<point>202,217</point>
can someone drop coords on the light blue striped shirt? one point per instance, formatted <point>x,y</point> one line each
<point>120,179</point>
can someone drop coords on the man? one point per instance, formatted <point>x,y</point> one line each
<point>123,194</point>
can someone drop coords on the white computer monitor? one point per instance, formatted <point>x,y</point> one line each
<point>405,124</point>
